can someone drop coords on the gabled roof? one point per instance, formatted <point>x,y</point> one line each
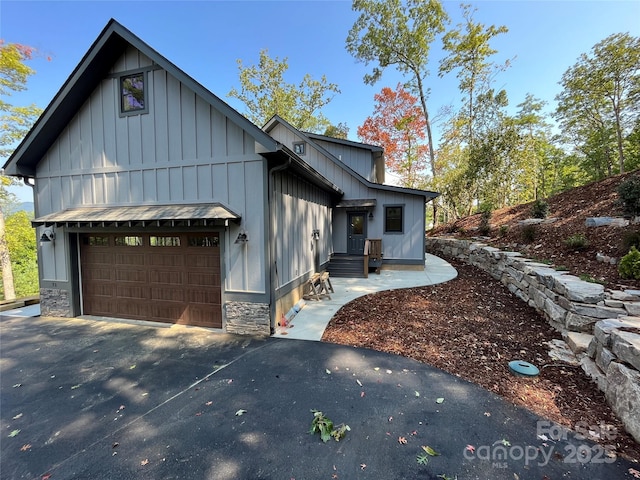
<point>94,66</point>
<point>277,120</point>
<point>342,141</point>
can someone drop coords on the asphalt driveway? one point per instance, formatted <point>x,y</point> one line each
<point>96,400</point>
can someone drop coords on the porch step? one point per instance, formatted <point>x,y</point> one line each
<point>346,266</point>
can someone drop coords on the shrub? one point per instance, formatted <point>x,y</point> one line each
<point>629,266</point>
<point>485,225</point>
<point>528,233</point>
<point>577,241</point>
<point>630,239</point>
<point>504,229</point>
<point>540,209</point>
<point>629,196</point>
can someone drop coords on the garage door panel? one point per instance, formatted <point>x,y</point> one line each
<point>165,277</point>
<point>167,294</point>
<point>201,260</point>
<point>98,273</point>
<point>206,296</point>
<point>129,259</point>
<point>131,275</point>
<point>174,282</point>
<point>131,292</point>
<point>100,290</point>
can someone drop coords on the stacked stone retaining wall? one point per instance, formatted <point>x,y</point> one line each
<point>601,326</point>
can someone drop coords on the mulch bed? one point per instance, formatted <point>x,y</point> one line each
<point>472,327</point>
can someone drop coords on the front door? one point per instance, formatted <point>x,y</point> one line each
<point>357,232</point>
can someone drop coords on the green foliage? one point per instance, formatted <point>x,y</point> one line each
<point>629,266</point>
<point>630,239</point>
<point>265,93</point>
<point>599,103</point>
<point>577,241</point>
<point>21,240</point>
<point>325,427</point>
<point>485,223</point>
<point>539,209</point>
<point>528,233</point>
<point>504,229</point>
<point>629,196</point>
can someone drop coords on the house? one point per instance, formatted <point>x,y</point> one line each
<point>155,200</point>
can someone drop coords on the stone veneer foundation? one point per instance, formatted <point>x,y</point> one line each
<point>54,302</point>
<point>602,327</point>
<point>245,318</point>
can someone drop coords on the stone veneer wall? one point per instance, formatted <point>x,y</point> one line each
<point>54,302</point>
<point>602,327</point>
<point>245,318</point>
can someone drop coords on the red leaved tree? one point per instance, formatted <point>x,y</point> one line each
<point>398,126</point>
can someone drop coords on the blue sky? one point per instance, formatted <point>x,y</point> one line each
<point>205,38</point>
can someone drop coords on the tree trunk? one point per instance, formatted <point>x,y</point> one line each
<point>432,154</point>
<point>5,261</point>
<point>619,138</point>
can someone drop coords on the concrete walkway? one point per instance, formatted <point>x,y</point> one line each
<point>311,321</point>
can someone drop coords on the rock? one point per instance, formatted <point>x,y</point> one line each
<point>578,290</point>
<point>632,308</point>
<point>604,328</point>
<point>578,342</point>
<point>598,312</point>
<point>635,293</point>
<point>613,303</point>
<point>531,221</point>
<point>623,394</point>
<point>579,323</point>
<point>604,221</point>
<point>594,373</point>
<point>560,351</point>
<point>604,357</point>
<point>626,346</point>
<point>623,296</point>
<point>555,312</point>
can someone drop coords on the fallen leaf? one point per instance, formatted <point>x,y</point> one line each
<point>470,448</point>
<point>439,400</point>
<point>363,466</point>
<point>131,368</point>
<point>230,380</point>
<point>25,447</point>
<point>634,472</point>
<point>17,385</point>
<point>543,437</point>
<point>17,416</point>
<point>487,414</point>
<point>240,412</point>
<point>377,369</point>
<point>402,440</point>
<point>144,462</point>
<point>429,451</point>
<point>115,445</point>
<point>414,433</point>
<point>417,394</point>
<point>361,394</point>
<point>505,442</point>
<point>389,371</point>
<point>14,433</point>
<point>75,386</point>
<point>198,414</point>
<point>46,476</point>
<point>209,403</point>
<point>328,371</point>
<point>358,382</point>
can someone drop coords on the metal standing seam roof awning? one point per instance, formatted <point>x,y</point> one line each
<point>358,203</point>
<point>143,215</point>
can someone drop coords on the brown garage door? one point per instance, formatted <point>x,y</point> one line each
<point>173,278</point>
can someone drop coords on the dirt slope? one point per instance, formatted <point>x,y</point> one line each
<point>571,208</point>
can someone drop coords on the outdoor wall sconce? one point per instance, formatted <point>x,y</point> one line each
<point>47,236</point>
<point>316,235</point>
<point>242,238</point>
<point>370,215</point>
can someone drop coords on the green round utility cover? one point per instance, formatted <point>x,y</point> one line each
<point>520,367</point>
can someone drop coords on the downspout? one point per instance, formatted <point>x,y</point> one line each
<point>275,278</point>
